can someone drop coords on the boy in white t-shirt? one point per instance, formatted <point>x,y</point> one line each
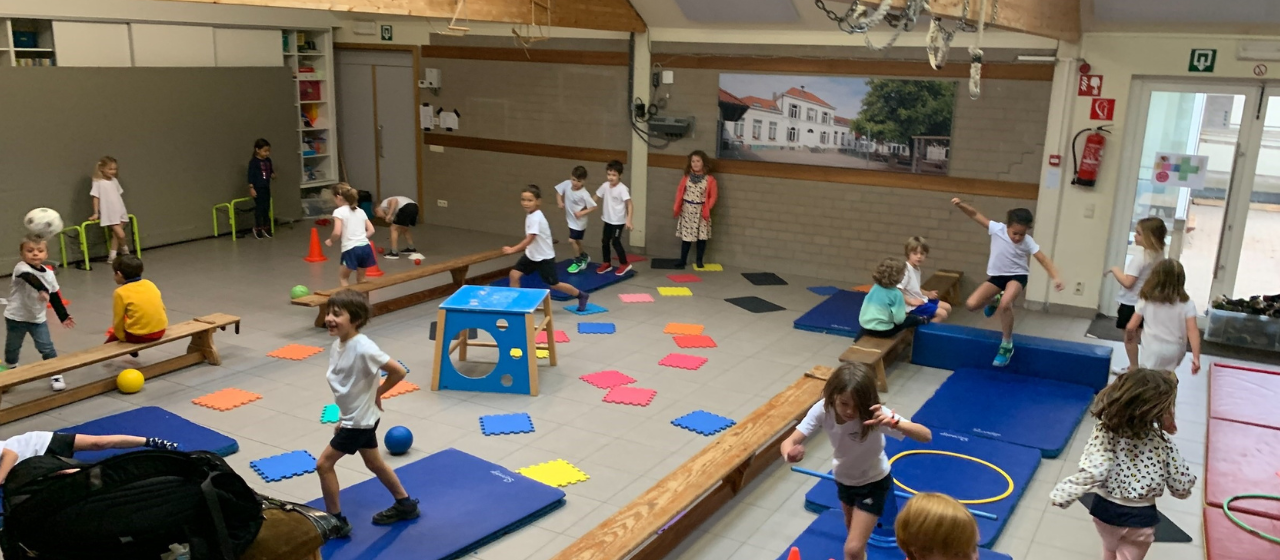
<point>65,445</point>
<point>354,363</point>
<point>577,203</point>
<point>1007,269</point>
<point>539,256</point>
<point>615,201</point>
<point>923,304</point>
<point>32,288</point>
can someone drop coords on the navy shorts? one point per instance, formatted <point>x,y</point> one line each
<point>867,497</point>
<point>351,440</point>
<point>928,310</point>
<point>1002,281</point>
<point>577,234</point>
<point>357,258</point>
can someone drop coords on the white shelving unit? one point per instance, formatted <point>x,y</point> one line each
<point>309,53</point>
<point>27,42</point>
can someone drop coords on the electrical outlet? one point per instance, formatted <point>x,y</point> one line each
<point>436,148</point>
<point>640,110</point>
<point>1088,211</point>
<point>442,203</point>
<point>1079,288</point>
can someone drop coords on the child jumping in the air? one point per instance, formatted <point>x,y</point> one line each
<point>577,203</point>
<point>539,256</point>
<point>65,445</point>
<point>32,288</point>
<point>354,363</point>
<point>1149,234</point>
<point>1129,462</point>
<point>615,204</point>
<point>1007,269</point>
<point>935,526</point>
<point>884,312</point>
<point>920,303</point>
<point>1169,317</point>
<point>856,423</point>
<point>352,226</point>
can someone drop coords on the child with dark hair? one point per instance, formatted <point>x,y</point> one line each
<point>695,197</point>
<point>1007,270</point>
<point>261,172</point>
<point>32,287</point>
<point>539,255</point>
<point>884,311</point>
<point>615,203</point>
<point>573,197</point>
<point>354,363</point>
<point>137,312</point>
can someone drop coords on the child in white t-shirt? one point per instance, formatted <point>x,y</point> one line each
<point>354,363</point>
<point>32,288</point>
<point>352,226</point>
<point>1167,317</point>
<point>1007,270</point>
<point>1149,234</point>
<point>62,444</point>
<point>539,256</point>
<point>108,205</point>
<point>856,423</point>
<point>919,302</point>
<point>577,203</point>
<point>615,204</point>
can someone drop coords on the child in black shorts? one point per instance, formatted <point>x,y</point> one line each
<point>65,445</point>
<point>539,255</point>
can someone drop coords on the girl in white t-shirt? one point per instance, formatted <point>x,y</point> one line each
<point>856,423</point>
<point>352,226</point>
<point>108,205</point>
<point>1168,318</point>
<point>1149,234</point>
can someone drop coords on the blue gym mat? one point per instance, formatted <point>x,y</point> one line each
<point>960,478</point>
<point>152,421</point>
<point>954,347</point>
<point>824,538</point>
<point>1027,411</point>
<point>836,315</point>
<point>466,503</point>
<point>587,280</point>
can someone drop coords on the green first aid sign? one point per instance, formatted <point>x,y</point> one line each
<point>1202,60</point>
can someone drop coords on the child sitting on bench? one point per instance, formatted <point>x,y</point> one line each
<point>137,312</point>
<point>935,526</point>
<point>919,302</point>
<point>884,311</point>
<point>61,444</point>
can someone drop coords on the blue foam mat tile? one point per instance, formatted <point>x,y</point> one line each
<point>592,309</point>
<point>152,421</point>
<point>703,422</point>
<point>825,291</point>
<point>960,478</point>
<point>466,503</point>
<point>836,315</point>
<point>587,280</point>
<point>956,347</point>
<point>284,465</point>
<point>596,328</point>
<point>824,538</point>
<point>992,404</point>
<point>501,424</point>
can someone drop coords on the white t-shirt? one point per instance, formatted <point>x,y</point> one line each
<point>540,248</point>
<point>564,187</point>
<point>910,285</point>
<point>856,461</point>
<point>613,203</point>
<point>353,220</point>
<point>1008,259</point>
<point>577,201</point>
<point>1140,266</point>
<point>1164,333</point>
<point>28,445</point>
<point>353,377</point>
<point>400,202</point>
<point>24,301</point>
<point>110,195</point>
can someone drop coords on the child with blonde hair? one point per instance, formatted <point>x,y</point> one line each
<point>1149,234</point>
<point>919,302</point>
<point>108,205</point>
<point>935,526</point>
<point>352,226</point>
<point>884,311</point>
<point>1166,317</point>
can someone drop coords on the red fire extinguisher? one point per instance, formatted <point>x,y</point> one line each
<point>1088,163</point>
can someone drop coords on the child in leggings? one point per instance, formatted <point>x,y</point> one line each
<point>615,202</point>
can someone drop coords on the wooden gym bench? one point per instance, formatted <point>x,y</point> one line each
<point>682,500</point>
<point>457,268</point>
<point>946,283</point>
<point>201,349</point>
<point>880,352</point>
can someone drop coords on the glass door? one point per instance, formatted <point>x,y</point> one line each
<point>1256,218</point>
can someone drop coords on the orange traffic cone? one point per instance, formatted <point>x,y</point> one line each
<point>794,554</point>
<point>374,271</point>
<point>317,255</point>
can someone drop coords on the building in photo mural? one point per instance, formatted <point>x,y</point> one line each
<point>863,123</point>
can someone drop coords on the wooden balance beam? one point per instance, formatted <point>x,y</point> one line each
<point>682,500</point>
<point>201,349</point>
<point>457,269</point>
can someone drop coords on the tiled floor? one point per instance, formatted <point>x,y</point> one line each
<point>624,449</point>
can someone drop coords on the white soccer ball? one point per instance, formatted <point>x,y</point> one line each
<point>43,222</point>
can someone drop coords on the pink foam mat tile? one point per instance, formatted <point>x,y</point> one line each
<point>634,396</point>
<point>684,278</point>
<point>683,361</point>
<point>561,337</point>
<point>608,379</point>
<point>636,298</point>
<point>694,341</point>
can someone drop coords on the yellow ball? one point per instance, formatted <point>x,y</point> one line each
<point>129,381</point>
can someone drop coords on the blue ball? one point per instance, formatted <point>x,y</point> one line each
<point>398,440</point>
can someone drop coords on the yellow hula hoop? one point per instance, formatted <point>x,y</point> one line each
<point>1006,476</point>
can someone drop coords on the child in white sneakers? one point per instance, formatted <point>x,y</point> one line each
<point>31,289</point>
<point>577,203</point>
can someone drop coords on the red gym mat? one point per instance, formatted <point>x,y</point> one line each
<point>1242,459</point>
<point>1224,540</point>
<point>1245,395</point>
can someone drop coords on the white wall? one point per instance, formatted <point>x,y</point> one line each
<point>206,13</point>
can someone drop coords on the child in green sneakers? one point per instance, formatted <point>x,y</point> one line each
<point>1007,269</point>
<point>577,203</point>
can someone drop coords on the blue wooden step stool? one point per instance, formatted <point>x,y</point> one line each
<point>509,315</point>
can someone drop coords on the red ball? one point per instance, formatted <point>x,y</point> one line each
<point>382,251</point>
<point>417,261</point>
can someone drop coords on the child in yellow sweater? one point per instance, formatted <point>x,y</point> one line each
<point>138,313</point>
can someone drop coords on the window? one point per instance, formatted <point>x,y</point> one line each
<point>755,129</point>
<point>826,117</point>
<point>823,138</point>
<point>810,115</point>
<point>773,130</point>
<point>794,111</point>
<point>792,133</point>
<point>737,129</point>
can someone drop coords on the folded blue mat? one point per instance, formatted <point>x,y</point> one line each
<point>824,539</point>
<point>836,315</point>
<point>955,347</point>
<point>152,421</point>
<point>587,280</point>
<point>466,503</point>
<point>957,477</point>
<point>1017,409</point>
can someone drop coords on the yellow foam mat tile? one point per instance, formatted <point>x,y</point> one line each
<point>709,267</point>
<point>680,291</point>
<point>558,473</point>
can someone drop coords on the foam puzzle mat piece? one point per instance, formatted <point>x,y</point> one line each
<point>330,414</point>
<point>502,424</point>
<point>226,399</point>
<point>709,267</point>
<point>558,473</point>
<point>684,278</point>
<point>543,354</point>
<point>824,290</point>
<point>683,361</point>
<point>383,373</point>
<point>683,328</point>
<point>635,298</point>
<point>284,465</point>
<point>592,309</point>
<point>703,422</point>
<point>674,291</point>
<point>755,304</point>
<point>596,328</point>
<point>665,264</point>
<point>764,279</point>
<point>401,388</point>
<point>694,341</point>
<point>561,337</point>
<point>635,396</point>
<point>608,379</point>
<point>295,352</point>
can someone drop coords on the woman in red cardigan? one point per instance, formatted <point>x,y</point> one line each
<point>695,198</point>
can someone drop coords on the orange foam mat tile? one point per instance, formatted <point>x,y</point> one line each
<point>226,399</point>
<point>683,328</point>
<point>295,352</point>
<point>401,388</point>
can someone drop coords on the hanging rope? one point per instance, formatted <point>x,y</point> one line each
<point>975,54</point>
<point>905,22</point>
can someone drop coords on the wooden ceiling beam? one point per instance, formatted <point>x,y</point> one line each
<point>1055,19</point>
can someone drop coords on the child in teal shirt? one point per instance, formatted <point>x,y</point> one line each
<point>884,312</point>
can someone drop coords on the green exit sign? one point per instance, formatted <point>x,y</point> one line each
<point>1202,60</point>
<point>386,33</point>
